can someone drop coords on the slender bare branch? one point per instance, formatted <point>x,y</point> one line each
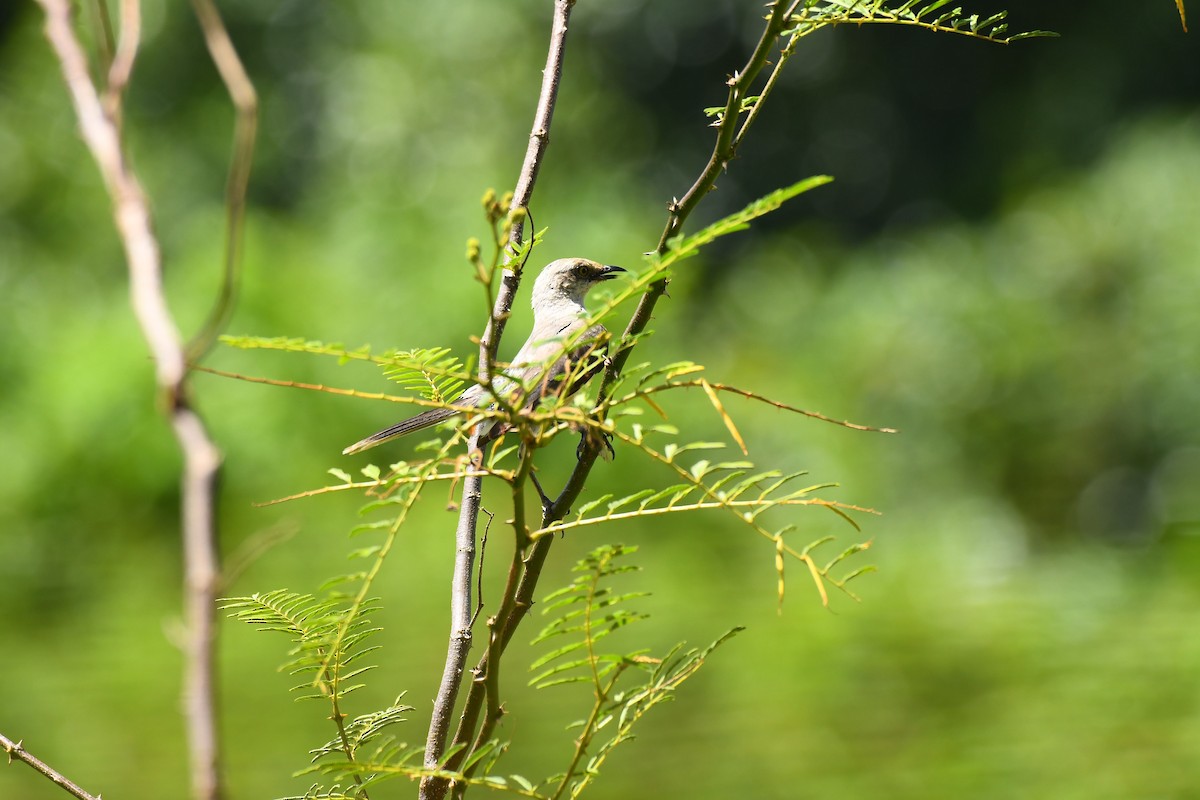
<point>120,67</point>
<point>460,624</point>
<point>245,102</point>
<point>15,750</point>
<point>98,15</point>
<point>202,574</point>
<point>101,133</point>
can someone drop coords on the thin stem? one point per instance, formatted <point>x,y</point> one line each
<point>587,734</point>
<point>776,71</point>
<point>98,11</point>
<point>15,750</point>
<point>490,677</point>
<point>245,102</point>
<point>120,66</point>
<point>339,720</point>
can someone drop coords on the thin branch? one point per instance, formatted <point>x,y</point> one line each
<point>245,102</point>
<point>459,646</point>
<point>725,145</point>
<point>750,506</point>
<point>489,677</point>
<point>15,750</point>
<point>435,788</point>
<point>721,387</point>
<point>678,212</point>
<point>202,576</point>
<point>535,152</point>
<point>101,133</point>
<point>776,71</point>
<point>120,67</point>
<point>98,11</point>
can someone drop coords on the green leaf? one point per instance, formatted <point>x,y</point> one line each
<point>587,507</point>
<point>629,500</point>
<point>738,221</point>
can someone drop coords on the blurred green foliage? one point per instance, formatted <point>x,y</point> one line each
<point>1006,270</point>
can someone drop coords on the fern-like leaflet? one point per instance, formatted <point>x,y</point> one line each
<point>939,16</point>
<point>320,649</point>
<point>586,612</point>
<point>432,373</point>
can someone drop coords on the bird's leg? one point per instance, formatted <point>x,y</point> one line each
<point>589,435</point>
<point>547,503</point>
<point>605,439</point>
<point>545,500</point>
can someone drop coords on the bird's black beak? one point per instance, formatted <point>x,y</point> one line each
<point>608,272</point>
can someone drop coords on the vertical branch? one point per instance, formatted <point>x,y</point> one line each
<point>202,576</point>
<point>460,622</point>
<point>101,133</point>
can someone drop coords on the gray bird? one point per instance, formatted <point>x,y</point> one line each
<point>558,315</point>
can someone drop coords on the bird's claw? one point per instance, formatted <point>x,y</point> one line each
<point>589,437</point>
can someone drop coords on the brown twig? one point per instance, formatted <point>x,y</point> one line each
<point>434,788</point>
<point>245,102</point>
<point>98,18</point>
<point>16,751</point>
<point>101,133</point>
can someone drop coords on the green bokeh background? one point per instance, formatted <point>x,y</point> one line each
<point>1007,269</point>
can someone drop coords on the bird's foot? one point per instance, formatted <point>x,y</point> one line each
<point>547,503</point>
<point>602,440</point>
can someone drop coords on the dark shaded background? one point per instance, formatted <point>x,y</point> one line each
<point>1005,269</point>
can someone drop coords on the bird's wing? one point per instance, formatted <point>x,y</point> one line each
<point>541,368</point>
<point>545,369</point>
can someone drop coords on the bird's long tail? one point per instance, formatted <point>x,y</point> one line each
<point>425,419</point>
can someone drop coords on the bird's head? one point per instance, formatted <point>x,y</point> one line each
<point>569,280</point>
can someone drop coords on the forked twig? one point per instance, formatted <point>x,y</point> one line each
<point>100,127</point>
